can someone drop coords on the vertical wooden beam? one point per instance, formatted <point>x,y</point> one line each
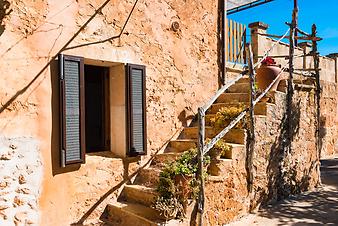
<point>223,14</point>
<point>244,41</point>
<point>293,27</point>
<point>295,8</point>
<point>231,39</point>
<point>241,44</point>
<point>235,41</point>
<point>200,146</point>
<point>318,96</point>
<point>251,137</point>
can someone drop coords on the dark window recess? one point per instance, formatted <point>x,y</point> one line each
<point>136,114</point>
<point>97,119</point>
<point>72,114</point>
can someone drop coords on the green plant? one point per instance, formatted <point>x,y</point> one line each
<point>177,184</point>
<point>225,114</point>
<point>220,149</point>
<point>256,87</point>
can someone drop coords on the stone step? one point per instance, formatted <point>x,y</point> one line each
<point>221,167</point>
<point>122,213</point>
<point>148,177</point>
<point>244,80</point>
<point>163,158</point>
<point>139,194</point>
<point>233,98</point>
<point>239,88</point>
<point>182,145</point>
<point>236,151</point>
<point>192,132</point>
<point>236,136</point>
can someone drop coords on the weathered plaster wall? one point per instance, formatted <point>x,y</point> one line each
<point>20,181</point>
<point>181,75</point>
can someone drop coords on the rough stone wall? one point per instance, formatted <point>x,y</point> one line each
<point>329,107</point>
<point>277,174</point>
<point>181,75</point>
<point>20,181</point>
<point>329,119</point>
<point>329,83</point>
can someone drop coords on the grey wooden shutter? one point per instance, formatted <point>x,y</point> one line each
<point>137,131</point>
<point>72,118</point>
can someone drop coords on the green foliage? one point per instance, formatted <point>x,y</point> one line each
<point>220,149</point>
<point>177,184</point>
<point>256,87</point>
<point>224,116</point>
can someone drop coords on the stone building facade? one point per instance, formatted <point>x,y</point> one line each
<point>177,43</point>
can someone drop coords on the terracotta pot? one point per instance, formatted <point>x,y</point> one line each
<point>265,76</point>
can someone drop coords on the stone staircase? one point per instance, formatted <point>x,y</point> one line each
<point>134,204</point>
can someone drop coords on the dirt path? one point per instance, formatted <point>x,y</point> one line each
<point>313,208</point>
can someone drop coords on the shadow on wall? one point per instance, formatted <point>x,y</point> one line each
<point>280,180</point>
<point>322,133</point>
<point>184,118</point>
<point>4,11</point>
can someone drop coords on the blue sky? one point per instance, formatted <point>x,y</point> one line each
<point>324,13</point>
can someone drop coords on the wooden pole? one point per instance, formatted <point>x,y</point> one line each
<point>201,136</point>
<point>318,94</point>
<point>295,11</point>
<point>293,27</point>
<point>251,137</point>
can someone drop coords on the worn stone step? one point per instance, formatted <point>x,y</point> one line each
<point>244,80</point>
<point>236,151</point>
<point>182,145</point>
<point>192,132</point>
<point>160,159</point>
<point>239,88</point>
<point>139,194</point>
<point>233,98</point>
<point>122,213</point>
<point>148,177</point>
<point>236,136</point>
